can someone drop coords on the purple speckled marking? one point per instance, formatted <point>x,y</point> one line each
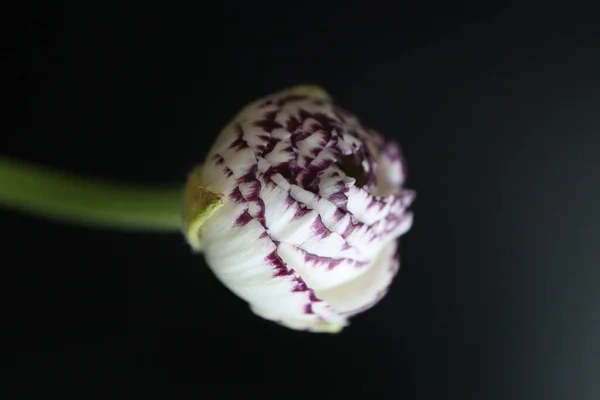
<point>350,228</point>
<point>219,160</point>
<point>301,212</point>
<point>326,123</point>
<point>236,196</point>
<point>338,215</point>
<point>260,216</point>
<point>289,201</point>
<point>311,178</point>
<point>239,143</point>
<point>269,146</point>
<point>315,151</point>
<point>251,187</point>
<point>329,262</point>
<point>243,220</point>
<point>278,265</point>
<point>339,199</point>
<point>307,160</point>
<point>268,123</point>
<point>319,229</point>
<point>282,270</point>
<point>300,135</point>
<point>292,124</point>
<point>249,176</point>
<point>265,103</point>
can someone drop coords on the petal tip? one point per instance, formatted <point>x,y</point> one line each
<point>330,327</point>
<point>311,90</point>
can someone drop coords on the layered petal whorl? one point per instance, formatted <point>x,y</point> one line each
<point>313,202</point>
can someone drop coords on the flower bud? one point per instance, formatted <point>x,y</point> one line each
<point>305,206</point>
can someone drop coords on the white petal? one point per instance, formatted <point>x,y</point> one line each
<point>390,170</point>
<point>365,291</point>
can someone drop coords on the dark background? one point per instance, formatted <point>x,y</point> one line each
<point>497,111</point>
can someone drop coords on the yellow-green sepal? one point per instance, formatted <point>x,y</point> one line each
<point>200,203</point>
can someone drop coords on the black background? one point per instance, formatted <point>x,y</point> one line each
<point>497,111</point>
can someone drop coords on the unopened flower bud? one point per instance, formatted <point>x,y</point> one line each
<point>298,208</point>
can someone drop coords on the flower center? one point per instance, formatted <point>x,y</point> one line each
<point>352,168</point>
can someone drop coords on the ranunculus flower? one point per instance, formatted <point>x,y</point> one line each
<point>310,207</point>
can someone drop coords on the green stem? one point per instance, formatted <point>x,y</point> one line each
<point>43,192</point>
